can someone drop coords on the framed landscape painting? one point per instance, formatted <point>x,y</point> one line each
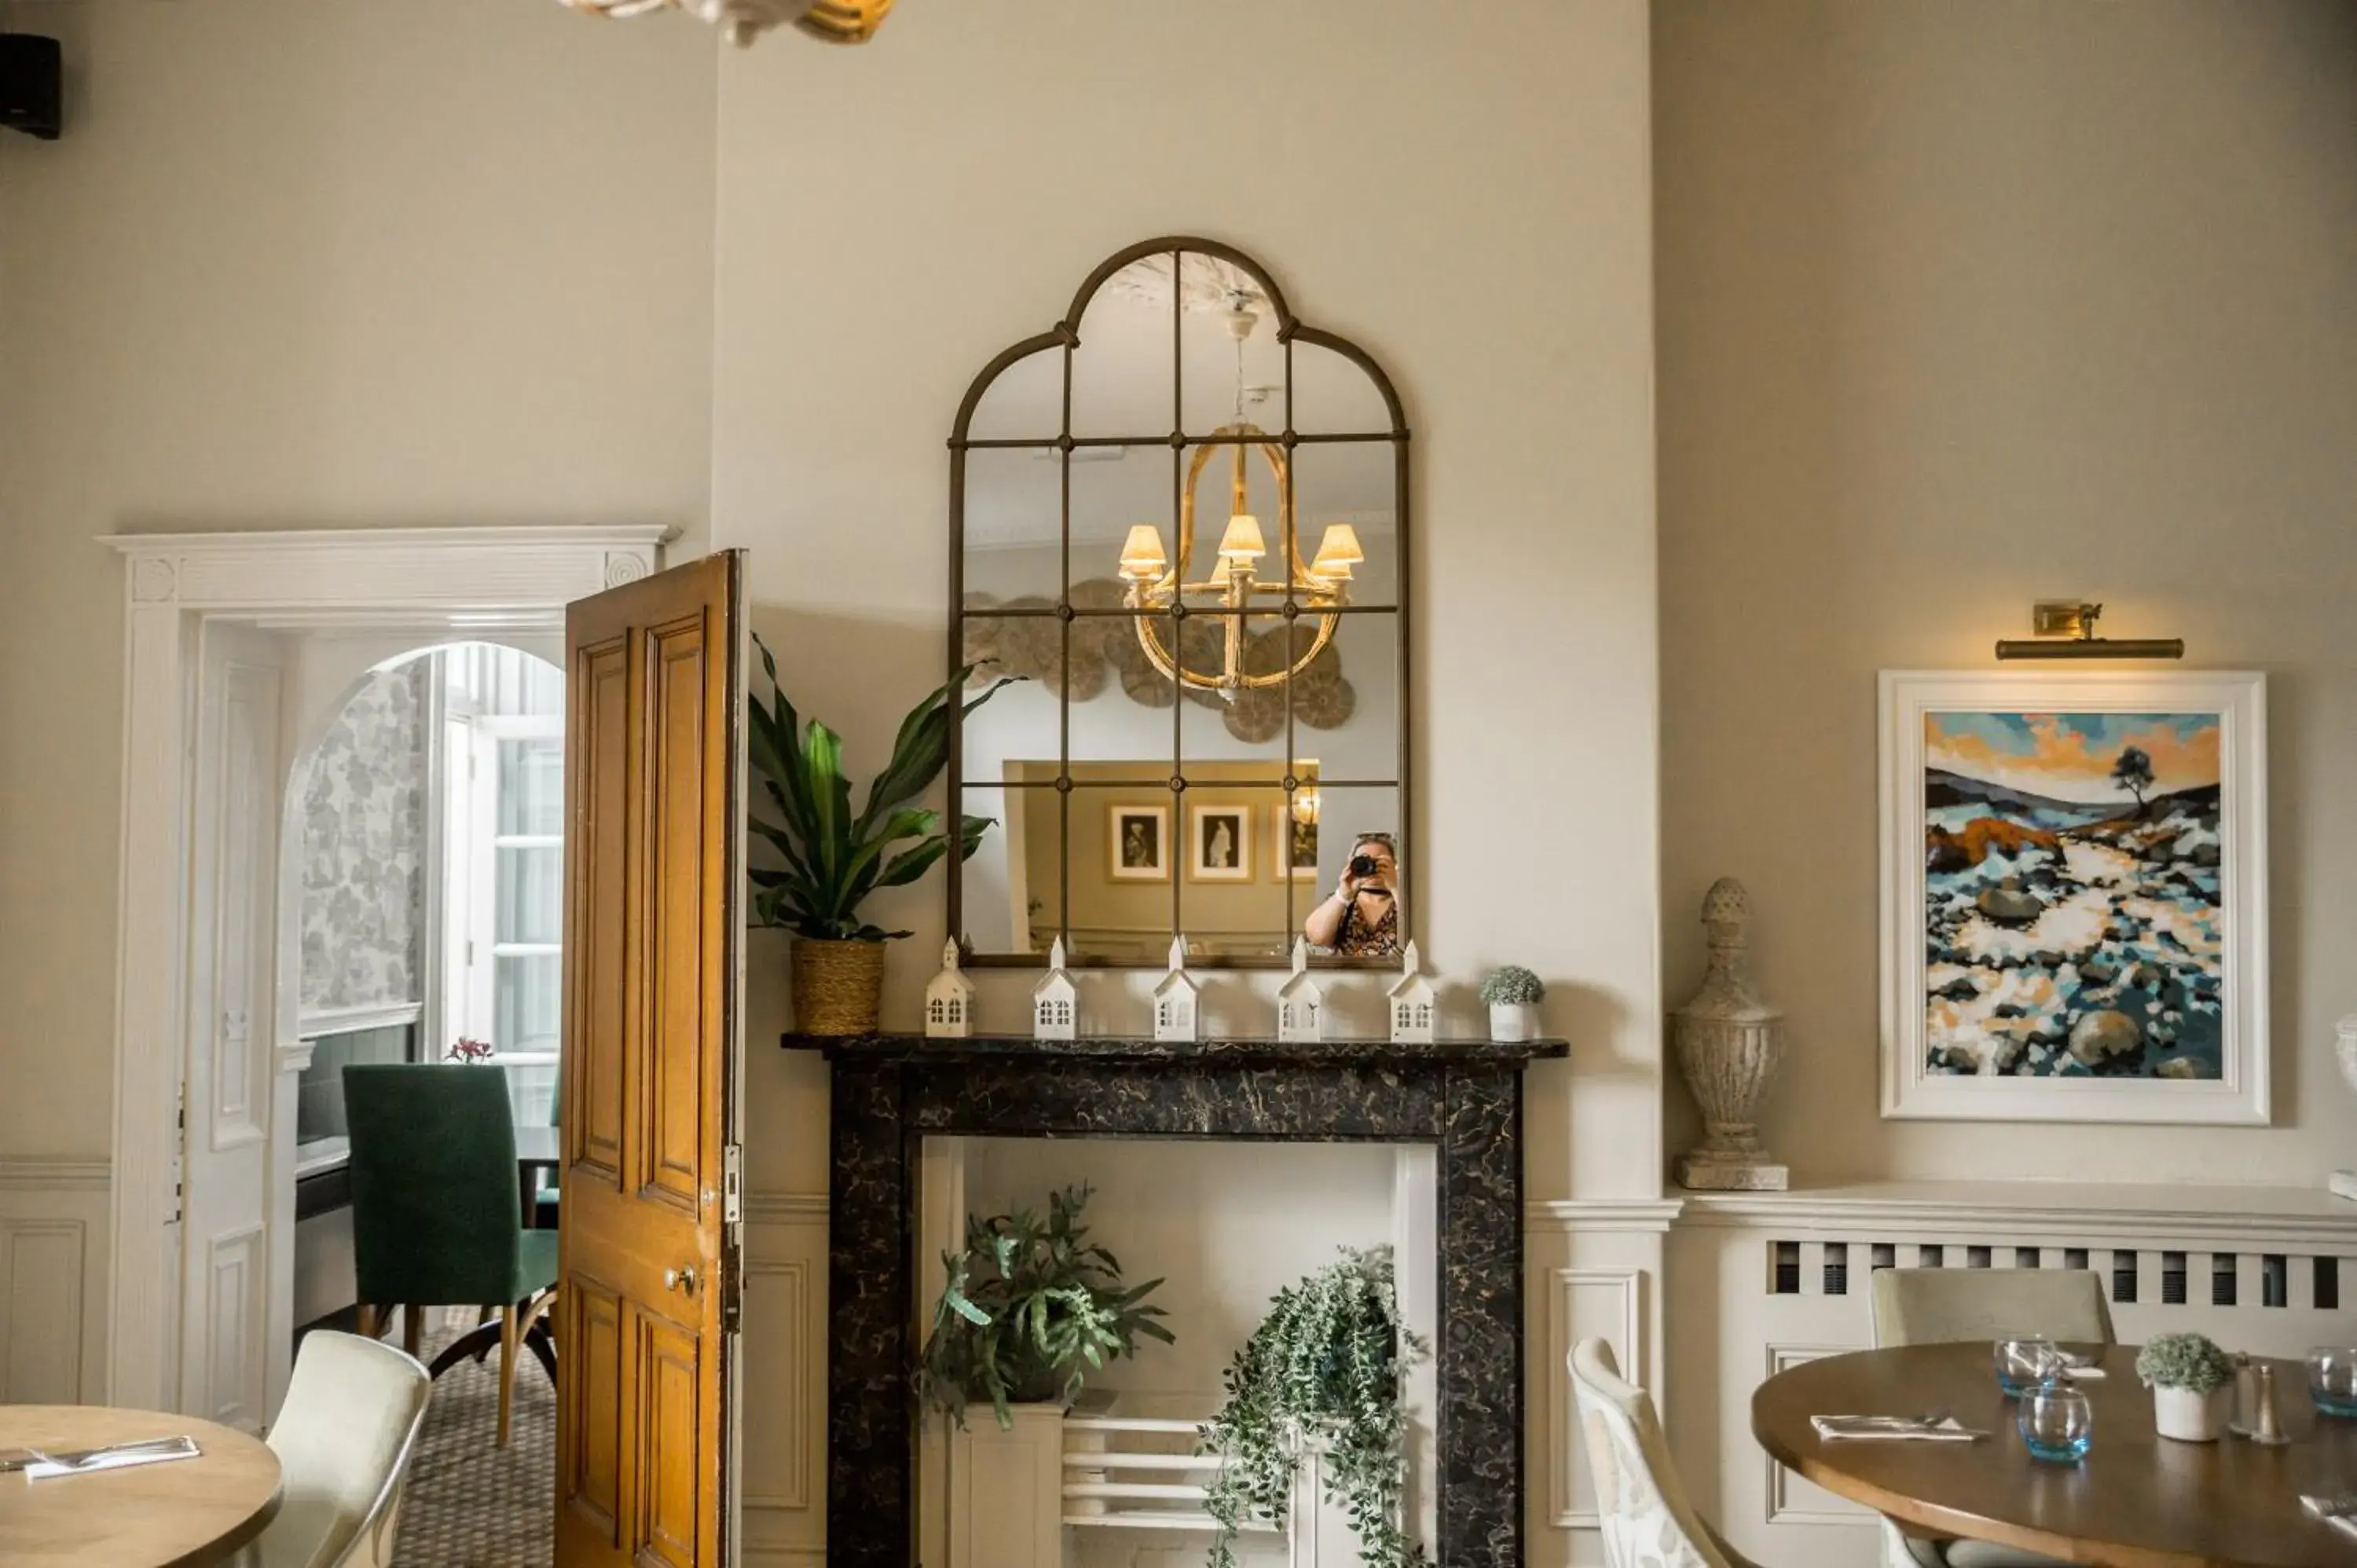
<point>2074,897</point>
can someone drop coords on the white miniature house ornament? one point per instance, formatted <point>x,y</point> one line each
<point>1300,1001</point>
<point>1175,998</point>
<point>1730,1042</point>
<point>948,999</point>
<point>1055,1000</point>
<point>1412,1003</point>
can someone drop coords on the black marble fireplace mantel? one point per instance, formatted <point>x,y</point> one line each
<point>892,1091</point>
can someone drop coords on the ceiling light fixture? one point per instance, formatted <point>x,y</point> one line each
<point>1159,586</point>
<point>836,21</point>
<point>2066,629</point>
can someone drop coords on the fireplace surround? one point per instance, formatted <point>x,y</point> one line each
<point>892,1091</point>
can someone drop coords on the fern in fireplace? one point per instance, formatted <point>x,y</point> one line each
<point>1031,1309</point>
<point>1323,1366</point>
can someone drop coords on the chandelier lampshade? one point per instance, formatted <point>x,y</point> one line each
<point>1142,557</point>
<point>1242,543</point>
<point>1338,551</point>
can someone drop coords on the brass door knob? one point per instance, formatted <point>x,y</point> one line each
<point>681,1279</point>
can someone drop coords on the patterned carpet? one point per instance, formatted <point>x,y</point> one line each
<point>470,1505</point>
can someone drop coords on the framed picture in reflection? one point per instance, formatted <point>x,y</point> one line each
<point>1140,841</point>
<point>1295,856</point>
<point>1218,844</point>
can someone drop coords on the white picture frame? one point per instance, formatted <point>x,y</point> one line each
<point>1213,855</point>
<point>1143,855</point>
<point>2162,897</point>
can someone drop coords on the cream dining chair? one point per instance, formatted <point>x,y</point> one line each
<point>1647,1521</point>
<point>1931,1306</point>
<point>343,1440</point>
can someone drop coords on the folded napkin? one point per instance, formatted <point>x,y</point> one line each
<point>2339,1512</point>
<point>1892,1429</point>
<point>89,1460</point>
<point>2079,1366</point>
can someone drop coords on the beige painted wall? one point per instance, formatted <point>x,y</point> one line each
<point>1964,306</point>
<point>890,218</point>
<point>299,265</point>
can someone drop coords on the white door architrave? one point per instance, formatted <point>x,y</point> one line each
<point>436,582</point>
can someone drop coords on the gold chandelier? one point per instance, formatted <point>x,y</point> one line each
<point>1158,588</point>
<point>836,21</point>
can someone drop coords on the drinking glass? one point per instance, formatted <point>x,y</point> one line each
<point>2026,1360</point>
<point>2333,1380</point>
<point>2056,1420</point>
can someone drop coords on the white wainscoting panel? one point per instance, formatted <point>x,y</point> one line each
<point>53,1242</point>
<point>1791,1499</point>
<point>1592,1269</point>
<point>782,1477</point>
<point>1583,1304</point>
<point>235,1277</point>
<point>1761,1282</point>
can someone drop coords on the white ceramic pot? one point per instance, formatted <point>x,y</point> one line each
<point>1514,1021</point>
<point>2190,1417</point>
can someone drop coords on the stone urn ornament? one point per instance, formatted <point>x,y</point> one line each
<point>1730,1042</point>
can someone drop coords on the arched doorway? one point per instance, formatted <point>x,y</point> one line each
<point>420,905</point>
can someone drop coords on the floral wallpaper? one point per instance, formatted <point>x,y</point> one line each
<point>364,847</point>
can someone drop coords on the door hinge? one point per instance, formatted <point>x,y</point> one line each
<point>732,1183</point>
<point>179,1157</point>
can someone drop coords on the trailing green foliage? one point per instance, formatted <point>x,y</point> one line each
<point>1324,1365</point>
<point>833,859</point>
<point>1511,982</point>
<point>1031,1309</point>
<point>2184,1361</point>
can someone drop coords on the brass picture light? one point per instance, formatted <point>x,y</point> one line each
<point>2066,629</point>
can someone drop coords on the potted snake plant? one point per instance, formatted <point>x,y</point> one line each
<point>829,858</point>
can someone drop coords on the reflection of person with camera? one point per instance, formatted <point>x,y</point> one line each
<point>1361,920</point>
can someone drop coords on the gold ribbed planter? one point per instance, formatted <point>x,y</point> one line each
<point>838,987</point>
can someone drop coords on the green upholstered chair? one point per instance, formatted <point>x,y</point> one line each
<point>544,1200</point>
<point>435,1209</point>
<point>1931,1306</point>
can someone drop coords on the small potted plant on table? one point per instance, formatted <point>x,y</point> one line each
<point>1512,994</point>
<point>2188,1376</point>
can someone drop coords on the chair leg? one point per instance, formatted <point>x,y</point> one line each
<point>371,1326</point>
<point>413,1328</point>
<point>483,1315</point>
<point>511,1335</point>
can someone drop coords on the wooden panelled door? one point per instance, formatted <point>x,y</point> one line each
<point>649,1272</point>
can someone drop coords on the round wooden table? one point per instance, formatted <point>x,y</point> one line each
<point>2136,1501</point>
<point>186,1514</point>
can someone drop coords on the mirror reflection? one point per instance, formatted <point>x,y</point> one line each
<point>1213,608</point>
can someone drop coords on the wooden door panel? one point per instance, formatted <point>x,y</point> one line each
<point>590,1464</point>
<point>647,1253</point>
<point>673,1144</point>
<point>597,1019</point>
<point>668,1383</point>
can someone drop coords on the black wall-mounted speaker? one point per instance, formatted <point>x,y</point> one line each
<point>32,73</point>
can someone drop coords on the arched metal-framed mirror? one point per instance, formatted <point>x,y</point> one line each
<point>1180,513</point>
